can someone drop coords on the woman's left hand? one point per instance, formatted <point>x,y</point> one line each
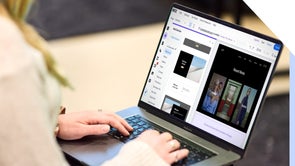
<point>76,125</point>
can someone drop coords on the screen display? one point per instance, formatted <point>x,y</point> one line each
<point>210,75</point>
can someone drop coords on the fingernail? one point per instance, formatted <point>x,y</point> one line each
<point>106,128</point>
<point>127,133</point>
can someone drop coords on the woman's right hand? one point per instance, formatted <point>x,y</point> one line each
<point>164,144</point>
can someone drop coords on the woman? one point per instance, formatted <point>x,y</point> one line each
<point>212,97</point>
<point>30,101</point>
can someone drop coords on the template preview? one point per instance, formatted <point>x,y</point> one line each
<point>210,75</point>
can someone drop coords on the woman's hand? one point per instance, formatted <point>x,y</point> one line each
<point>164,144</point>
<point>76,125</point>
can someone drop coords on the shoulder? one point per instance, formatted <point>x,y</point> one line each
<point>14,51</point>
<point>10,37</point>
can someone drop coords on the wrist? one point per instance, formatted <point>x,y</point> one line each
<point>57,129</point>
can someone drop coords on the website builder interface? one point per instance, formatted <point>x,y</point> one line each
<point>210,75</point>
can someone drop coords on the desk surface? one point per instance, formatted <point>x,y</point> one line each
<point>108,69</point>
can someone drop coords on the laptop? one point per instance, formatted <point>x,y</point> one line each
<point>206,85</point>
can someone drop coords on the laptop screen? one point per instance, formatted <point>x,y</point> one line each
<point>211,74</point>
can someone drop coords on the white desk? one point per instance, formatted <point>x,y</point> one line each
<point>108,69</point>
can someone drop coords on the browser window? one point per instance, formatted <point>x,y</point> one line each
<point>210,75</point>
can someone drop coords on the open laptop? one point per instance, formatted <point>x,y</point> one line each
<point>206,85</point>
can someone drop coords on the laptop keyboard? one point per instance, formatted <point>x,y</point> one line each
<point>139,124</point>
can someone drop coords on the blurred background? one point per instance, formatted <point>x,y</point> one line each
<point>105,48</point>
<point>63,18</point>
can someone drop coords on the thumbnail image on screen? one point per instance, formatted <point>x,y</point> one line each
<point>190,66</point>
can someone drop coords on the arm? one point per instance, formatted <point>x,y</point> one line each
<point>26,126</point>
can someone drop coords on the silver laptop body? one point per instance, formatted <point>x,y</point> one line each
<point>206,84</point>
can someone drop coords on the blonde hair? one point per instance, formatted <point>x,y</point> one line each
<point>18,10</point>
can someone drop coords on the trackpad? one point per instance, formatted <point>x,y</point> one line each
<point>92,150</point>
